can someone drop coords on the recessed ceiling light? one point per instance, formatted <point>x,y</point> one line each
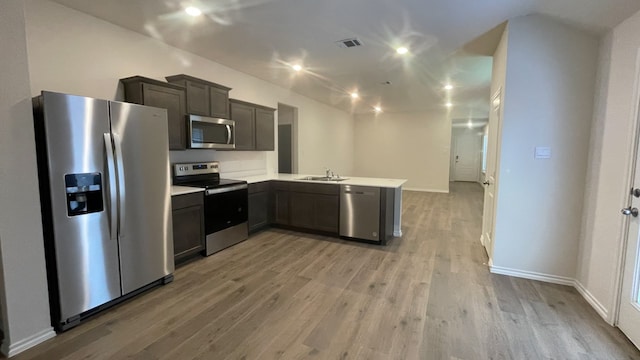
<point>354,95</point>
<point>402,50</point>
<point>377,109</point>
<point>448,104</point>
<point>193,11</point>
<point>448,87</point>
<point>296,67</point>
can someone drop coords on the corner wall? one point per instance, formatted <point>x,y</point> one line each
<point>23,283</point>
<point>413,146</point>
<point>608,182</point>
<point>548,102</point>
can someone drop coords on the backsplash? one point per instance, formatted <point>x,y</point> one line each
<point>232,163</point>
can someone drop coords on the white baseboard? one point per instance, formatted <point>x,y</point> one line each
<point>599,308</point>
<point>562,280</point>
<point>19,346</point>
<point>426,190</point>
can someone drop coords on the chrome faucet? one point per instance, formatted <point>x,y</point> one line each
<point>327,172</point>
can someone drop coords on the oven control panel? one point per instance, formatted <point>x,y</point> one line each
<point>196,168</point>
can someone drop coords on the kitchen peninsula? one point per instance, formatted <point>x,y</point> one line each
<point>327,206</point>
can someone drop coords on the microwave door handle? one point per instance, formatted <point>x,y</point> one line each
<point>117,142</point>
<point>113,200</point>
<point>228,134</point>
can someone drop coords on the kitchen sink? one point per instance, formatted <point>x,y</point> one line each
<point>322,178</point>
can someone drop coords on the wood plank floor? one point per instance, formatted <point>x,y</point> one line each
<point>286,295</point>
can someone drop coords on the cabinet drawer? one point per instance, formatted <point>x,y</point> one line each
<point>280,185</point>
<point>186,200</point>
<point>328,189</point>
<point>258,187</point>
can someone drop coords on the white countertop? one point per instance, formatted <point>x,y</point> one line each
<point>182,190</point>
<point>361,181</point>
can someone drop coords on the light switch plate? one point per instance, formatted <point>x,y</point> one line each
<point>543,152</point>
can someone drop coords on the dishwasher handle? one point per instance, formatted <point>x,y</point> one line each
<point>356,192</point>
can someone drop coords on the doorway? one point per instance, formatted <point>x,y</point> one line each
<point>466,154</point>
<point>287,139</point>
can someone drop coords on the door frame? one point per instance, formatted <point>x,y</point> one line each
<point>294,136</point>
<point>497,95</point>
<point>614,316</point>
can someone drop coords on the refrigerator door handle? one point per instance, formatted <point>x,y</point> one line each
<point>113,200</point>
<point>121,187</point>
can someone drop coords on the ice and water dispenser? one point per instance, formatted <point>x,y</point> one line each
<point>84,193</point>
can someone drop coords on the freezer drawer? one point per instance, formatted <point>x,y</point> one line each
<point>360,212</point>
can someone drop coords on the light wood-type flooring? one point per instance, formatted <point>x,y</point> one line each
<point>287,295</point>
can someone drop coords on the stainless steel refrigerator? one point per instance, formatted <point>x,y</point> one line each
<point>105,190</point>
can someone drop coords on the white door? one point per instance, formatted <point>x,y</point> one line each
<point>466,155</point>
<point>629,310</point>
<point>493,148</point>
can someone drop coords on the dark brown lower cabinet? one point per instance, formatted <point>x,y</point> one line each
<point>188,225</point>
<point>315,207</point>
<point>280,203</point>
<point>258,206</point>
<point>301,206</point>
<point>327,213</point>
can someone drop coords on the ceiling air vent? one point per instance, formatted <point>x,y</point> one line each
<point>349,43</point>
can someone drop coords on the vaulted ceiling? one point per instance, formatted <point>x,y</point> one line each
<point>449,42</point>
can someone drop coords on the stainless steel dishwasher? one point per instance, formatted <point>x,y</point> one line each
<point>360,212</point>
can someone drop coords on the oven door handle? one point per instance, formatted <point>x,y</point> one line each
<point>226,189</point>
<point>228,133</point>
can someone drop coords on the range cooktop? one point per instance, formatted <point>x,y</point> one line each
<point>202,175</point>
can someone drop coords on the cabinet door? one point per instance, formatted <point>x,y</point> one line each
<point>244,116</point>
<point>174,101</point>
<point>219,102</point>
<point>326,216</point>
<point>302,213</point>
<point>258,210</point>
<point>197,98</point>
<point>265,130</point>
<point>188,231</point>
<point>281,207</point>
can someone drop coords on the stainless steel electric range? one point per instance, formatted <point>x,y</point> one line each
<point>225,203</point>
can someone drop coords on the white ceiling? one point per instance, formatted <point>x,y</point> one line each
<point>260,37</point>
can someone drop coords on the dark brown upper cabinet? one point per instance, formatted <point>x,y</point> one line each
<point>244,116</point>
<point>265,129</point>
<point>255,127</point>
<point>204,98</point>
<point>150,92</point>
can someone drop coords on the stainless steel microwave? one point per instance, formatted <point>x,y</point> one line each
<point>211,133</point>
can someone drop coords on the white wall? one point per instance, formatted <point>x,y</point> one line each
<point>23,283</point>
<point>610,165</point>
<point>412,146</point>
<point>548,101</point>
<point>75,53</point>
